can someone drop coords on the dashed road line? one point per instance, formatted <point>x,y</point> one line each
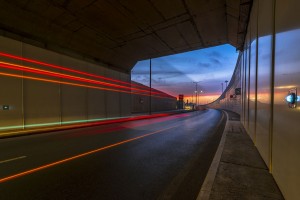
<point>12,159</point>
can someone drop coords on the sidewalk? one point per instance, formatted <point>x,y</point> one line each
<point>238,171</point>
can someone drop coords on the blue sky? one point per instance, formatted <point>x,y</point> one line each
<point>175,74</point>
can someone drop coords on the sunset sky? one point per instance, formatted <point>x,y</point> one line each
<point>175,74</point>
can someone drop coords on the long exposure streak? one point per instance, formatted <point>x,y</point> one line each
<point>59,75</point>
<point>67,69</point>
<point>80,155</point>
<point>67,83</point>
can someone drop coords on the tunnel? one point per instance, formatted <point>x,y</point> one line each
<point>66,66</point>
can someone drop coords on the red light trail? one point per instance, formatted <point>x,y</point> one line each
<point>119,88</point>
<point>73,84</point>
<point>67,69</point>
<point>59,75</point>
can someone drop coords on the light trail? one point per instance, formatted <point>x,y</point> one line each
<point>67,69</point>
<point>134,123</point>
<point>73,84</point>
<point>59,75</point>
<point>83,123</point>
<point>2,180</point>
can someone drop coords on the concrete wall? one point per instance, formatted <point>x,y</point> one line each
<point>141,103</point>
<point>286,132</point>
<point>269,70</point>
<point>272,125</point>
<point>36,103</point>
<point>229,100</point>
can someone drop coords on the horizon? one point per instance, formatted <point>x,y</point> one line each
<point>175,74</point>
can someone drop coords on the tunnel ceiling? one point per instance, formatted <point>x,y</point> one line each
<point>121,32</point>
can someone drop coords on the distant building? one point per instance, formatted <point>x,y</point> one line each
<point>180,102</point>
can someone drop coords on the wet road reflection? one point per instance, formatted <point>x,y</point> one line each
<point>145,159</point>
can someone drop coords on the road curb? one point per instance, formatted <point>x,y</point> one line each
<point>212,171</point>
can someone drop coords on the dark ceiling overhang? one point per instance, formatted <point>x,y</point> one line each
<point>121,32</point>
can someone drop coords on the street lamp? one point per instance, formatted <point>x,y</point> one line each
<point>226,95</point>
<point>222,87</point>
<point>201,91</point>
<point>196,83</point>
<point>194,101</point>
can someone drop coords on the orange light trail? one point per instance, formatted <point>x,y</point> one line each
<point>66,69</point>
<point>73,84</point>
<point>59,75</point>
<point>2,180</point>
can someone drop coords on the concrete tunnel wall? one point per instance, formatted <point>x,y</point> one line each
<point>229,100</point>
<point>141,103</point>
<point>269,67</point>
<point>34,103</point>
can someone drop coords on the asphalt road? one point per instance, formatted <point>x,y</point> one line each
<point>161,158</point>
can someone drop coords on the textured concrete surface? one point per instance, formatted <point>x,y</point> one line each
<point>119,33</point>
<point>242,174</point>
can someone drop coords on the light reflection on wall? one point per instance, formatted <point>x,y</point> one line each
<point>287,64</point>
<point>56,77</point>
<point>264,69</point>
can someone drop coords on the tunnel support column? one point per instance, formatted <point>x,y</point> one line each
<point>150,87</point>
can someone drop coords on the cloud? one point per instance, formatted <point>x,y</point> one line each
<point>202,64</point>
<point>139,72</point>
<point>175,74</point>
<point>160,81</point>
<point>214,54</point>
<point>165,74</point>
<point>215,61</point>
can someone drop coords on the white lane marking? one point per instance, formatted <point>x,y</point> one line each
<point>207,185</point>
<point>12,159</point>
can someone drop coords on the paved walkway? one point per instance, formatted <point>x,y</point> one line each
<point>238,172</point>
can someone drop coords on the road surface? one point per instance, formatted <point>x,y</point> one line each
<point>160,158</point>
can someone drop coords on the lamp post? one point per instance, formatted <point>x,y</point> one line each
<point>196,97</point>
<point>196,91</point>
<point>226,100</point>
<point>222,87</point>
<point>193,99</point>
<point>150,88</point>
<point>201,91</point>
